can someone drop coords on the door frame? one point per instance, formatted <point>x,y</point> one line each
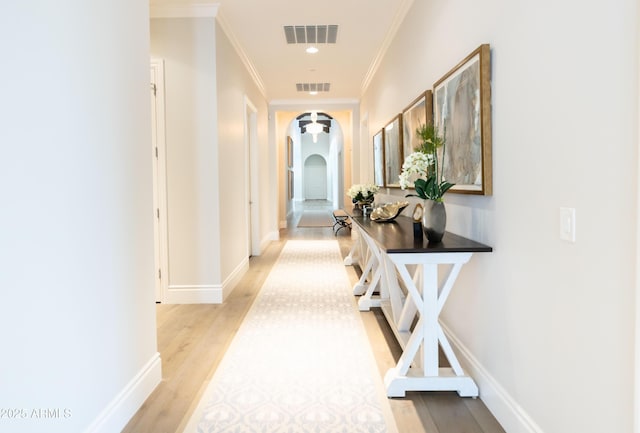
<point>159,158</point>
<point>252,197</point>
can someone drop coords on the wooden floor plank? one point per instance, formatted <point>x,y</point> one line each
<point>192,340</point>
<point>449,412</point>
<point>484,418</point>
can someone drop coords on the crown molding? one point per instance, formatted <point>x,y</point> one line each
<point>208,10</point>
<point>174,10</point>
<point>311,102</point>
<point>391,34</point>
<point>242,54</point>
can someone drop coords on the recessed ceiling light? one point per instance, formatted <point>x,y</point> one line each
<point>313,93</point>
<point>312,50</point>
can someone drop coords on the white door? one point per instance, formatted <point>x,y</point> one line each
<point>158,155</point>
<point>250,131</point>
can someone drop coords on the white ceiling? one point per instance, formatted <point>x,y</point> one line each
<point>256,28</point>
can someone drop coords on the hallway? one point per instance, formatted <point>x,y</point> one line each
<point>543,316</point>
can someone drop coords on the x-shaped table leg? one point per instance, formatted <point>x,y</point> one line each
<point>428,301</point>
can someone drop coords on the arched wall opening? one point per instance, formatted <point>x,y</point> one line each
<point>295,145</point>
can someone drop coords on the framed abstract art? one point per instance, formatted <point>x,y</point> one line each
<point>462,113</point>
<point>418,113</point>
<point>378,159</point>
<point>393,152</point>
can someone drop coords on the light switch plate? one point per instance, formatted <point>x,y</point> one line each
<point>568,224</point>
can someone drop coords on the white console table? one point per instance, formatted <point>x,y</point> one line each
<point>405,272</point>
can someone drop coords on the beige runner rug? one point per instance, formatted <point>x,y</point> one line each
<point>301,360</point>
<point>315,219</point>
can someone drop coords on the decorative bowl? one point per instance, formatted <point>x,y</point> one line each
<point>388,212</point>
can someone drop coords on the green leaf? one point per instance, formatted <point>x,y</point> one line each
<point>445,186</point>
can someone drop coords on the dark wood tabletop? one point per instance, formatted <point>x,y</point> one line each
<point>397,237</point>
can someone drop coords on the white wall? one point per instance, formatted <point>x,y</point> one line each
<point>76,231</point>
<point>549,323</point>
<point>207,87</point>
<point>233,85</point>
<point>187,46</point>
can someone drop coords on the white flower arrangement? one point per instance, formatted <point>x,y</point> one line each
<point>421,170</point>
<point>416,166</point>
<point>362,192</point>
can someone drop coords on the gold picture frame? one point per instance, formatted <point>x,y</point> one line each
<point>462,112</point>
<point>418,113</point>
<point>289,151</point>
<point>392,143</point>
<point>378,158</point>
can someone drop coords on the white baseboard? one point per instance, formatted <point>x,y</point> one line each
<point>230,283</point>
<point>512,417</point>
<point>266,241</point>
<point>122,408</point>
<point>274,235</point>
<point>206,294</point>
<point>194,294</point>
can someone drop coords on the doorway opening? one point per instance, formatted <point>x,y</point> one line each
<point>313,160</point>
<point>315,178</point>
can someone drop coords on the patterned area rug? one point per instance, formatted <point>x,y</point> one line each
<point>301,361</point>
<point>315,219</point>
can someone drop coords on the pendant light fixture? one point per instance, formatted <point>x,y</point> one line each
<point>314,128</point>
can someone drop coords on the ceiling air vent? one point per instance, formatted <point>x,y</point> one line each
<point>323,34</point>
<point>313,87</point>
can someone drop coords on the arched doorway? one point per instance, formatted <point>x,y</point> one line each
<point>297,144</point>
<point>315,178</point>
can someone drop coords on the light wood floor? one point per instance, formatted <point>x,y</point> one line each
<point>192,340</point>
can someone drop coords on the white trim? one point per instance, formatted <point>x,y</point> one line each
<point>253,72</point>
<point>196,294</point>
<point>313,102</point>
<point>636,396</point>
<point>251,149</point>
<point>391,34</point>
<point>160,178</point>
<point>273,236</point>
<point>234,278</point>
<point>197,10</point>
<point>122,408</point>
<point>206,293</point>
<point>511,416</point>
